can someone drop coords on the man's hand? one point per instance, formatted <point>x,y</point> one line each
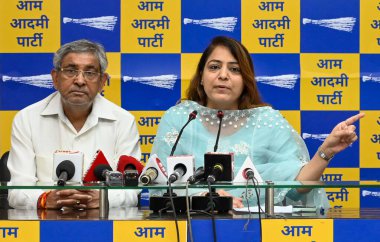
<point>78,199</point>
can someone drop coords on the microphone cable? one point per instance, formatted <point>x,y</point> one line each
<point>168,206</point>
<point>212,211</point>
<point>249,211</point>
<point>188,213</point>
<point>259,209</point>
<point>174,212</point>
<point>203,211</point>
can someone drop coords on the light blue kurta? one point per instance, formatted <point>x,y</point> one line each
<point>276,149</point>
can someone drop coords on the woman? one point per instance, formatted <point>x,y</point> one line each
<point>224,80</point>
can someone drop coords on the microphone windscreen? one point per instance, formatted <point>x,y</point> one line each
<point>99,169</point>
<point>67,166</point>
<point>246,173</point>
<point>129,163</point>
<point>193,114</point>
<point>220,114</point>
<point>99,159</point>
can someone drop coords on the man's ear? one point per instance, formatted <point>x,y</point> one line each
<point>104,78</point>
<point>54,76</point>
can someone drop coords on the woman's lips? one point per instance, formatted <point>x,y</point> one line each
<point>222,87</point>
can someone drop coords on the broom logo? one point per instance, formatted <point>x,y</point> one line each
<point>371,78</point>
<point>320,137</point>
<point>283,81</point>
<point>342,24</point>
<point>162,81</point>
<point>225,24</point>
<point>42,81</point>
<point>103,22</point>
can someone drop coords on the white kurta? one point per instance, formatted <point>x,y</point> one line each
<point>42,128</point>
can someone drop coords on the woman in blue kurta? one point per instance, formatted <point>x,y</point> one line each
<point>224,80</point>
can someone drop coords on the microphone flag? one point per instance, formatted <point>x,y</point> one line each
<point>129,163</point>
<point>248,164</point>
<point>76,157</point>
<point>156,163</point>
<point>99,159</point>
<point>186,160</point>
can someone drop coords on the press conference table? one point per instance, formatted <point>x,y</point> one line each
<point>124,225</point>
<point>141,224</point>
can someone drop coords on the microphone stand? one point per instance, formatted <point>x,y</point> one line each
<point>163,203</point>
<point>212,200</point>
<point>170,200</point>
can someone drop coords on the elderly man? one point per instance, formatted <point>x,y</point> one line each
<point>75,117</point>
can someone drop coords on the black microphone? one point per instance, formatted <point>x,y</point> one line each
<point>192,116</point>
<point>248,174</point>
<point>218,166</point>
<point>101,170</point>
<point>198,175</point>
<point>220,115</point>
<point>65,171</point>
<point>105,173</point>
<point>150,175</point>
<point>179,171</point>
<point>217,170</point>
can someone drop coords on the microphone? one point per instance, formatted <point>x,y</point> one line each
<point>248,174</point>
<point>198,175</point>
<point>217,170</point>
<point>220,115</point>
<point>179,165</point>
<point>65,171</point>
<point>129,163</point>
<point>131,168</point>
<point>153,172</point>
<point>179,171</point>
<point>218,166</point>
<point>101,170</point>
<point>192,116</point>
<point>68,166</point>
<point>180,168</point>
<point>149,176</point>
<point>214,172</point>
<point>99,159</point>
<point>105,173</point>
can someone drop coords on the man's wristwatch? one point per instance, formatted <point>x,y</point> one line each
<point>323,155</point>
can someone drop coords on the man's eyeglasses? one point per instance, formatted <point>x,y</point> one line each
<point>87,75</point>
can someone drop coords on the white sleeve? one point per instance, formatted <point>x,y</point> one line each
<point>21,164</point>
<point>123,198</point>
<point>128,140</point>
<point>127,144</point>
<point>24,198</point>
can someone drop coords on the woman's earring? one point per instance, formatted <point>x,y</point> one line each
<point>201,82</point>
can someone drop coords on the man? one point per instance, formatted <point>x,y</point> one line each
<point>75,117</point>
